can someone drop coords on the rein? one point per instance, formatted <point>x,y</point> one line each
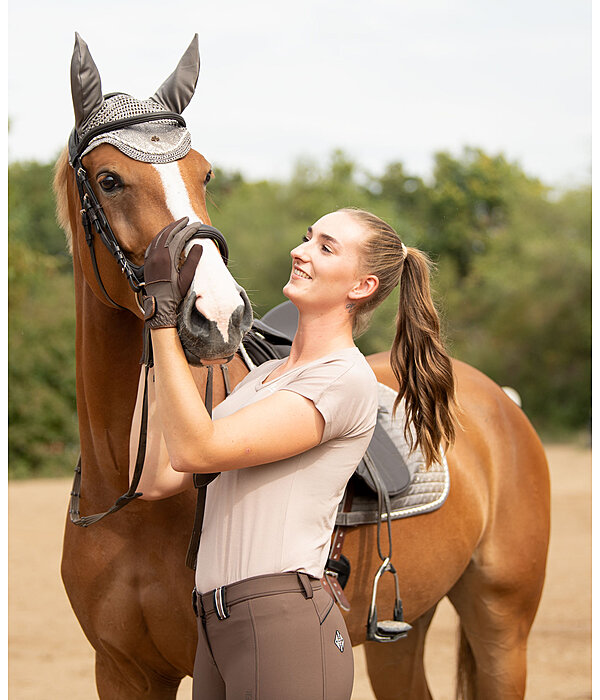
<point>200,480</point>
<point>131,494</point>
<point>93,217</point>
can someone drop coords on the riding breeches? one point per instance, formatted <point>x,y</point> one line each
<point>275,637</point>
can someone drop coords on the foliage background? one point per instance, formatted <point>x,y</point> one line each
<point>513,280</point>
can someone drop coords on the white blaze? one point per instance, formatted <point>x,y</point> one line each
<point>216,290</point>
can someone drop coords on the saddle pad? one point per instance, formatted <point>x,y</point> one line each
<point>428,488</point>
<point>388,449</point>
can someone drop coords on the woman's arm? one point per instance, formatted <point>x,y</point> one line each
<point>275,428</point>
<point>158,479</point>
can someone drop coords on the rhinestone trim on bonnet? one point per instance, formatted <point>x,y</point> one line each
<point>161,141</point>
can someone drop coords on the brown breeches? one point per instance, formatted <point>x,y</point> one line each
<point>272,637</point>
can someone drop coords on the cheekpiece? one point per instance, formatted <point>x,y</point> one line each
<point>160,141</point>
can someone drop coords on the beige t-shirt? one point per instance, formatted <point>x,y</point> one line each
<point>279,517</point>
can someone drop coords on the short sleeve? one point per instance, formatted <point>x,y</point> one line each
<point>345,393</point>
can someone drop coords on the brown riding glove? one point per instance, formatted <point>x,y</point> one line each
<point>166,282</point>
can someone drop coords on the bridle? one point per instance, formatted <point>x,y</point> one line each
<point>92,213</point>
<point>94,218</point>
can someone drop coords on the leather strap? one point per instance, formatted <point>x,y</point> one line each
<point>131,494</point>
<point>93,216</point>
<point>330,578</point>
<point>201,481</point>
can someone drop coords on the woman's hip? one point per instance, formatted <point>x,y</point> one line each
<point>271,637</point>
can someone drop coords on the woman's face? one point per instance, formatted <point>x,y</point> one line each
<point>326,265</point>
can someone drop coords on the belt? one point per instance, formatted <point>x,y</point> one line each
<point>219,600</point>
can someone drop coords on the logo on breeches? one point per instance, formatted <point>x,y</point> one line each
<point>339,640</point>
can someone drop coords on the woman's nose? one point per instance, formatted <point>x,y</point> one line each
<point>299,251</point>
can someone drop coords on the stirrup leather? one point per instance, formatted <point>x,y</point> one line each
<point>386,630</point>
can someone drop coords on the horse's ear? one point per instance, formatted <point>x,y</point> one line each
<point>86,88</point>
<point>178,89</point>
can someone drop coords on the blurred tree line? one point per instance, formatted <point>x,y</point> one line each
<point>513,280</point>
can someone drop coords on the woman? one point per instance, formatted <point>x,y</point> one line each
<point>285,443</point>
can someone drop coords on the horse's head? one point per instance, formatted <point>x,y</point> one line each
<point>133,172</point>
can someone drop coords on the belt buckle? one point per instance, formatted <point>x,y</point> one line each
<point>220,603</point>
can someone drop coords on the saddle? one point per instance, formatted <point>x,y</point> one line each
<point>390,482</point>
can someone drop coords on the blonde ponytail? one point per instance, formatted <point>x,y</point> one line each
<point>421,365</point>
<point>418,358</point>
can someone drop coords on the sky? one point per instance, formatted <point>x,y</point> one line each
<point>383,80</point>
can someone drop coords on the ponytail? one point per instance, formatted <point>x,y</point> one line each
<point>418,359</point>
<point>421,365</point>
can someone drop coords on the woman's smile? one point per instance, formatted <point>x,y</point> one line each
<point>300,273</point>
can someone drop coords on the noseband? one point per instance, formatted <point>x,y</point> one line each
<point>92,213</point>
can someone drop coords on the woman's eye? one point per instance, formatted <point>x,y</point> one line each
<point>305,239</point>
<point>326,249</point>
<point>109,183</point>
<point>208,177</point>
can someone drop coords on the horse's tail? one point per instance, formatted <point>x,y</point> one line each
<point>465,672</point>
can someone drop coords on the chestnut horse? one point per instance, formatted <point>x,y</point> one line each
<point>485,548</point>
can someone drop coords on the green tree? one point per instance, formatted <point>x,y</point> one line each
<point>523,315</point>
<point>31,211</point>
<point>469,202</point>
<point>43,435</point>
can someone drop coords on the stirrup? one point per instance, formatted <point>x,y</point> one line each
<point>387,630</point>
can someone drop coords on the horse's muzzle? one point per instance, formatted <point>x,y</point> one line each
<point>201,338</point>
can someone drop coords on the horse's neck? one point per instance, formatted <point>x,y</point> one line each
<point>108,349</point>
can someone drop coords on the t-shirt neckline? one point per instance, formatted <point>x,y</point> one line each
<point>263,383</point>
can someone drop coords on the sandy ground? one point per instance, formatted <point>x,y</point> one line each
<point>50,658</point>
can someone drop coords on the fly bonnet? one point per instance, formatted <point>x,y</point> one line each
<point>152,130</point>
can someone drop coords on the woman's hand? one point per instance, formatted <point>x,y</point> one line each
<point>166,283</point>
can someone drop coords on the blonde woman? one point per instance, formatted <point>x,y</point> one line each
<point>285,442</point>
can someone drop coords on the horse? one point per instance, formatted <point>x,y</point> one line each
<point>485,549</point>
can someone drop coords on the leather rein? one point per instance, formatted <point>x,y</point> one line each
<point>94,219</point>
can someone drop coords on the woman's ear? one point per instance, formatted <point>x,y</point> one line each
<point>364,288</point>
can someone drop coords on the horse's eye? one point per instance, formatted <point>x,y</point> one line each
<point>109,183</point>
<point>208,177</point>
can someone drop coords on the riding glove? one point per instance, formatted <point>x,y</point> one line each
<point>166,282</point>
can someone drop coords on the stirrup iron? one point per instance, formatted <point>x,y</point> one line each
<point>386,630</point>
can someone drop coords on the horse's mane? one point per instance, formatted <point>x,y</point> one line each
<point>61,173</point>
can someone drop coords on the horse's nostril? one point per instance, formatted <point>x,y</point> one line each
<point>190,315</point>
<point>204,338</point>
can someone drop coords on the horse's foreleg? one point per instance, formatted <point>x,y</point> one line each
<point>117,678</point>
<point>396,669</point>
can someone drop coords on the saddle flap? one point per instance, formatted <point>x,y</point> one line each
<point>388,460</point>
<point>282,320</point>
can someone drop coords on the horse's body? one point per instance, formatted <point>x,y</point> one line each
<point>485,548</point>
